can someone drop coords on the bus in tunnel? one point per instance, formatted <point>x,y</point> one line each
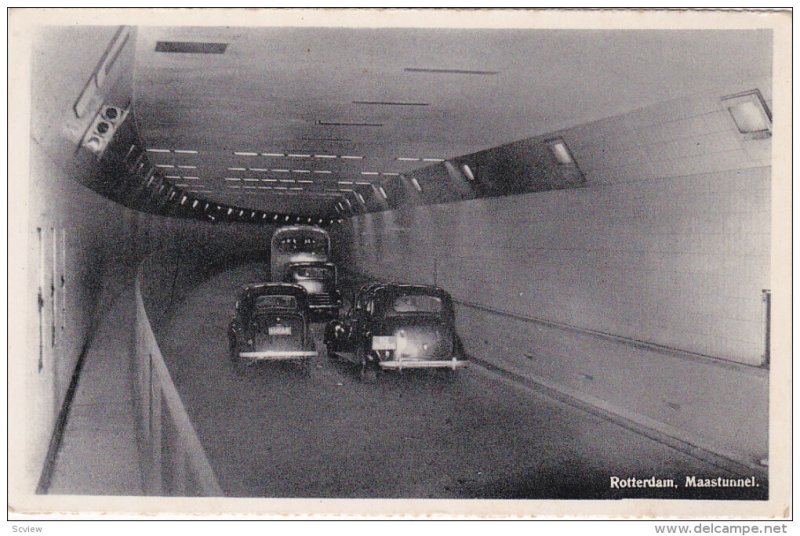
<point>590,218</point>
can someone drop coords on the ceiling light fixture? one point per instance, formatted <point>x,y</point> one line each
<point>467,171</point>
<point>750,114</point>
<point>433,159</point>
<point>164,166</point>
<point>447,71</point>
<point>157,150</point>
<point>408,159</point>
<point>245,153</point>
<point>383,192</point>
<point>346,124</point>
<point>298,155</point>
<point>351,157</point>
<point>325,156</point>
<point>184,151</point>
<point>277,155</point>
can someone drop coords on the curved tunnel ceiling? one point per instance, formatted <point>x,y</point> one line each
<point>385,96</point>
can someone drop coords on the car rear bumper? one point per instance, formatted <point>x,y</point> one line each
<point>278,355</point>
<point>412,364</point>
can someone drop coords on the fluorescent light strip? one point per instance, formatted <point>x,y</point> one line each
<point>265,187</point>
<point>295,188</point>
<point>363,183</point>
<point>347,124</point>
<point>392,174</point>
<point>305,182</point>
<point>257,169</point>
<point>301,171</point>
<point>234,186</point>
<point>172,176</point>
<point>232,179</point>
<point>281,188</point>
<point>344,182</point>
<point>415,182</point>
<point>184,151</point>
<point>322,172</point>
<point>244,153</point>
<point>187,167</point>
<point>183,184</point>
<point>325,156</point>
<point>408,159</point>
<point>269,180</point>
<point>447,71</point>
<point>248,179</point>
<point>192,178</point>
<point>370,173</point>
<point>170,166</point>
<point>158,150</point>
<point>278,155</point>
<point>433,159</point>
<point>351,157</point>
<point>250,187</point>
<point>383,192</point>
<point>298,155</point>
<point>280,170</point>
<point>287,180</point>
<point>237,169</point>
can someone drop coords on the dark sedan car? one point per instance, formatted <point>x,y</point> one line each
<point>397,327</point>
<point>271,323</point>
<point>319,280</point>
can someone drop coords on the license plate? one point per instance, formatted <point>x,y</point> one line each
<point>280,330</point>
<point>384,343</point>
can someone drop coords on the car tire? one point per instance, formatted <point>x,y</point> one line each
<point>367,372</point>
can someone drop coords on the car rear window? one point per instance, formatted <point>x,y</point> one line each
<point>273,301</point>
<point>417,303</point>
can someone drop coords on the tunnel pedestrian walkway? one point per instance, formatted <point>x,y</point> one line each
<point>98,453</point>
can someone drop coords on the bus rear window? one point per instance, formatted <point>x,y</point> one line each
<point>417,303</point>
<point>303,244</point>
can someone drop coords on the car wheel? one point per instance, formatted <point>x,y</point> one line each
<point>368,372</point>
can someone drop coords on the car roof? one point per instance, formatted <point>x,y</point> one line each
<point>261,289</point>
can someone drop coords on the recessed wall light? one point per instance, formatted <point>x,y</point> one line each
<point>561,152</point>
<point>750,114</point>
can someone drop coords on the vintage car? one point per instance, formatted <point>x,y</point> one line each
<point>397,327</point>
<point>271,323</point>
<point>319,280</point>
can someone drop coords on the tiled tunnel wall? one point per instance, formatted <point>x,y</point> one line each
<point>667,243</point>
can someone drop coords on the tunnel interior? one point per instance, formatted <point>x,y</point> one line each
<point>597,203</point>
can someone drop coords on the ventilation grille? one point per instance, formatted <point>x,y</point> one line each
<point>184,47</point>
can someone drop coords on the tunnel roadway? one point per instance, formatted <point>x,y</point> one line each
<point>275,432</point>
